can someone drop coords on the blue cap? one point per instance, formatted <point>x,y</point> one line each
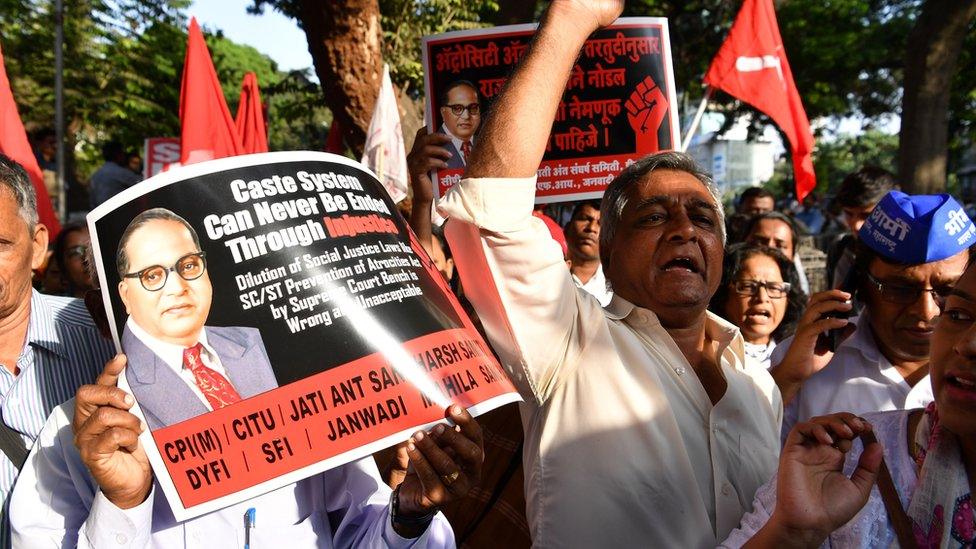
<point>918,229</point>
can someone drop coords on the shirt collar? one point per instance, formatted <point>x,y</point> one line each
<point>619,308</point>
<point>457,141</point>
<point>862,341</point>
<point>170,353</point>
<point>597,278</point>
<point>42,330</point>
<point>716,327</point>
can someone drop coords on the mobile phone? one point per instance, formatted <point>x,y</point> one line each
<point>832,339</point>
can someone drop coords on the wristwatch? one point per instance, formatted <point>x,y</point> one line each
<point>423,521</point>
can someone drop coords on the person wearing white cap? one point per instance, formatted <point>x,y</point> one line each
<point>909,255</point>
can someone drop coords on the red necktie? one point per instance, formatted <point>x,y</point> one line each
<point>215,387</point>
<point>466,149</point>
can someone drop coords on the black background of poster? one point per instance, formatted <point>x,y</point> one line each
<point>293,356</point>
<point>622,138</point>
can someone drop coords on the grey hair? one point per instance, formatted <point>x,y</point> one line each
<point>14,177</point>
<point>617,193</point>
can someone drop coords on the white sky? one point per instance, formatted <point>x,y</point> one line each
<point>273,34</point>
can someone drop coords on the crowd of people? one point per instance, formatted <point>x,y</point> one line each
<point>681,386</point>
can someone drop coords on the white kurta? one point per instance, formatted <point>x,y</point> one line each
<point>859,379</point>
<point>870,528</point>
<point>623,447</point>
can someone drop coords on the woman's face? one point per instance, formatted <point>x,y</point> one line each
<point>757,316</point>
<point>953,358</point>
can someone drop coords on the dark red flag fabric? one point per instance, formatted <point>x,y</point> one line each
<point>751,66</point>
<point>334,143</point>
<point>208,130</point>
<point>250,117</point>
<point>14,143</point>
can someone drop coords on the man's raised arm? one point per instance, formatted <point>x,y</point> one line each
<point>513,272</point>
<point>515,135</point>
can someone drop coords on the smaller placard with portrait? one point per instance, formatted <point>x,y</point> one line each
<point>618,105</point>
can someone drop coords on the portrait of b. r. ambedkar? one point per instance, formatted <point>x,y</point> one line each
<point>460,108</point>
<point>178,367</point>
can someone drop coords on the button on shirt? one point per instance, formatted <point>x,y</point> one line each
<point>56,503</point>
<point>63,351</point>
<point>859,379</point>
<point>623,447</point>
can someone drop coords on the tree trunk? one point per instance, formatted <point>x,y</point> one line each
<point>344,40</point>
<point>930,62</point>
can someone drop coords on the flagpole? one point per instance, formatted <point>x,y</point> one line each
<point>62,200</point>
<point>695,121</point>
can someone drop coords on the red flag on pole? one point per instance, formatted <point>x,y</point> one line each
<point>14,144</point>
<point>208,131</point>
<point>751,66</point>
<point>250,117</point>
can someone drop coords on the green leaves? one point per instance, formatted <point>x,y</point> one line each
<point>405,22</point>
<point>123,68</point>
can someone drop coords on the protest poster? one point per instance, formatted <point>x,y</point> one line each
<point>159,155</point>
<point>618,105</point>
<point>294,278</point>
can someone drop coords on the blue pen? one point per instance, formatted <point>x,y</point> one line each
<point>249,523</point>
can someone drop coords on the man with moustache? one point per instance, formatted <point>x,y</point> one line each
<point>910,252</point>
<point>91,484</point>
<point>172,356</point>
<point>583,243</point>
<point>49,346</point>
<point>644,425</point>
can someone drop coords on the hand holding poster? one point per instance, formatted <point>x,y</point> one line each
<point>617,106</point>
<point>279,319</point>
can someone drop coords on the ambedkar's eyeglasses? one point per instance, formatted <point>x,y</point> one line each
<point>474,109</point>
<point>189,267</point>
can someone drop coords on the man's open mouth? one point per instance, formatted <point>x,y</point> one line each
<point>682,264</point>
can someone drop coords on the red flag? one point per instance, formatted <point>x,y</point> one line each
<point>333,142</point>
<point>14,143</point>
<point>751,66</point>
<point>208,130</point>
<point>250,117</point>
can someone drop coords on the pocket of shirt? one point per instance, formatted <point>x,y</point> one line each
<point>304,533</point>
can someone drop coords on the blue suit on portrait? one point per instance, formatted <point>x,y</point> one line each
<point>165,398</point>
<point>456,160</point>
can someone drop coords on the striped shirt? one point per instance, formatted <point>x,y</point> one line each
<point>63,351</point>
